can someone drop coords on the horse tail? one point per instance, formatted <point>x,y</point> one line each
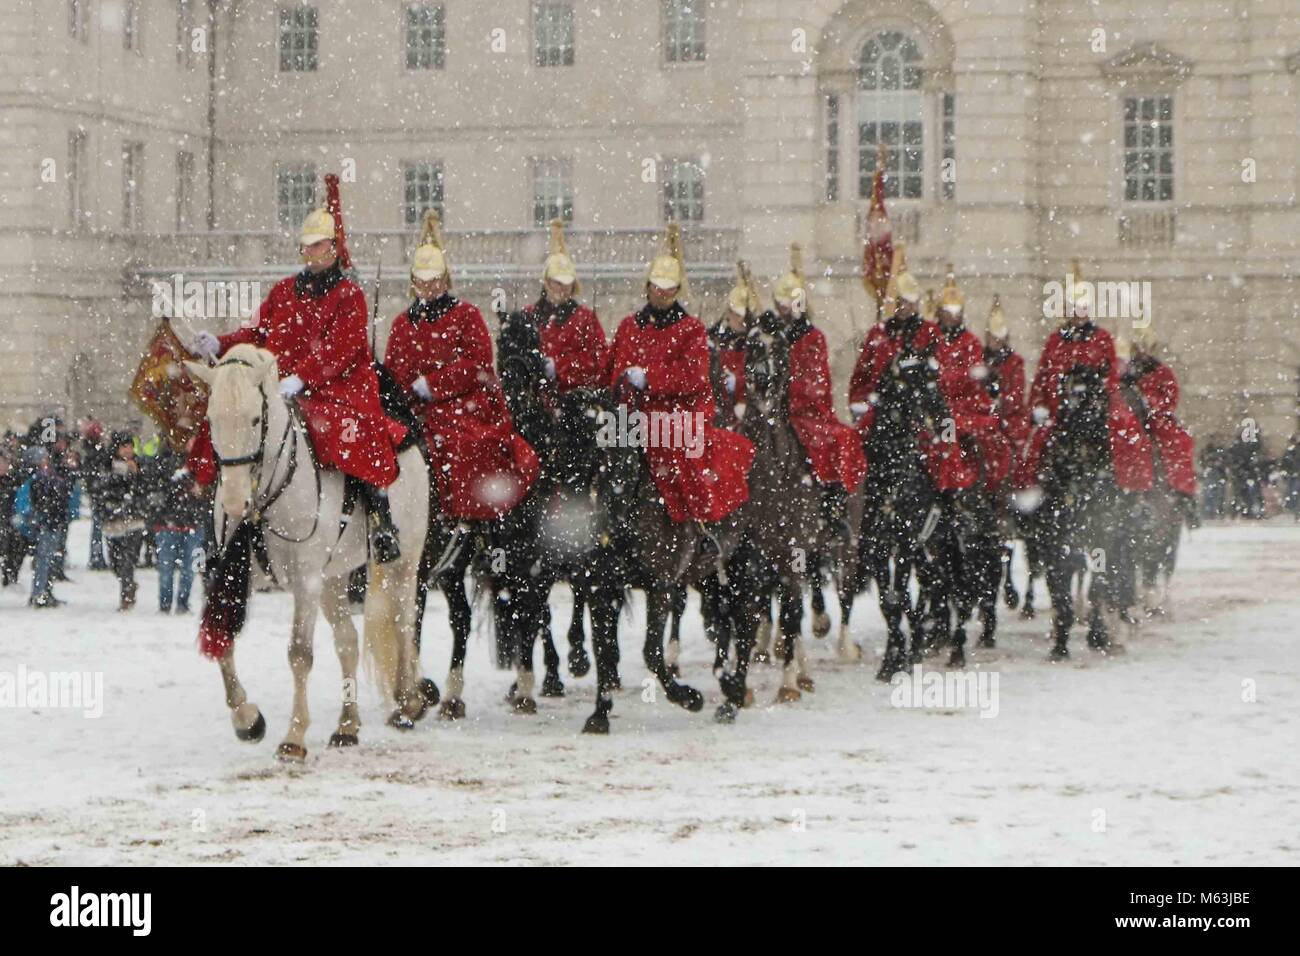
<point>225,605</point>
<point>383,628</point>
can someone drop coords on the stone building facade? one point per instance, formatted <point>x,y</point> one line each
<point>148,138</point>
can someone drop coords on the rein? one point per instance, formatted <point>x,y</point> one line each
<point>257,458</point>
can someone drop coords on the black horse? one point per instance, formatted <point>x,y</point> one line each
<point>1081,525</point>
<point>903,510</point>
<point>562,530</point>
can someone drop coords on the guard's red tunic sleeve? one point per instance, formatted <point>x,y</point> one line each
<point>587,363</point>
<point>400,355</point>
<point>1160,389</point>
<point>473,358</point>
<point>343,342</point>
<point>810,376</point>
<point>684,369</point>
<point>861,384</point>
<point>256,333</point>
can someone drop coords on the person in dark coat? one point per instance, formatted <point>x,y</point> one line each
<point>121,499</point>
<point>51,489</point>
<point>95,457</point>
<point>177,506</point>
<point>12,543</point>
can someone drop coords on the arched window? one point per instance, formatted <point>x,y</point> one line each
<point>891,113</point>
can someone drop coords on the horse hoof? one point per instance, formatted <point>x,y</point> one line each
<point>1058,654</point>
<point>788,695</point>
<point>749,697</point>
<point>674,671</point>
<point>726,714</point>
<point>891,665</point>
<point>687,697</point>
<point>579,662</point>
<point>552,686</point>
<point>821,624</point>
<point>988,642</point>
<point>1012,599</point>
<point>453,708</point>
<point>596,724</point>
<point>760,657</point>
<point>254,733</point>
<point>429,691</point>
<point>850,653</point>
<point>399,721</point>
<point>525,706</point>
<point>957,658</point>
<point>291,753</point>
<point>1109,648</point>
<point>805,683</point>
<point>1026,613</point>
<point>343,740</point>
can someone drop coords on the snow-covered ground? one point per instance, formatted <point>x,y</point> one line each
<point>1185,750</point>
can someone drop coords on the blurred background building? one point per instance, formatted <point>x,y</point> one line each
<point>1153,143</point>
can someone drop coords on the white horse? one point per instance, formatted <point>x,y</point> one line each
<point>268,474</point>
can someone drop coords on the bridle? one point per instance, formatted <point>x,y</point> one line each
<point>257,459</point>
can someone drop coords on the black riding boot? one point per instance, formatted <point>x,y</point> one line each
<point>383,536</point>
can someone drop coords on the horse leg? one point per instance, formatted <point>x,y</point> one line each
<point>891,592</point>
<point>452,584</point>
<point>293,748</point>
<point>763,635</point>
<point>539,615</point>
<point>1009,593</point>
<point>526,622</point>
<point>657,606</point>
<point>1059,584</point>
<point>249,723</point>
<point>743,615</point>
<point>821,621</point>
<point>335,604</point>
<point>604,605</point>
<point>579,662</point>
<point>673,649</point>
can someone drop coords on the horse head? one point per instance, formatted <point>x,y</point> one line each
<point>241,387</point>
<point>767,366</point>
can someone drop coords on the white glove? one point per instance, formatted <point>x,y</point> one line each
<point>180,474</point>
<point>421,388</point>
<point>730,383</point>
<point>1041,415</point>
<point>207,345</point>
<point>636,377</point>
<point>858,409</point>
<point>550,369</point>
<point>290,386</point>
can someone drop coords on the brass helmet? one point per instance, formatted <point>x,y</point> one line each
<point>318,225</point>
<point>998,322</point>
<point>792,288</point>
<point>951,299</point>
<point>429,261</point>
<point>559,266</point>
<point>743,298</point>
<point>668,269</point>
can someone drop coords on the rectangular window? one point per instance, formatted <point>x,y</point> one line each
<point>78,17</point>
<point>683,190</point>
<point>132,186</point>
<point>185,33</point>
<point>552,190</point>
<point>78,174</point>
<point>426,37</point>
<point>903,157</point>
<point>832,147</point>
<point>184,190</point>
<point>131,25</point>
<point>298,36</point>
<point>948,169</point>
<point>295,193</point>
<point>1148,148</point>
<point>683,22</point>
<point>422,191</point>
<point>553,34</point>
